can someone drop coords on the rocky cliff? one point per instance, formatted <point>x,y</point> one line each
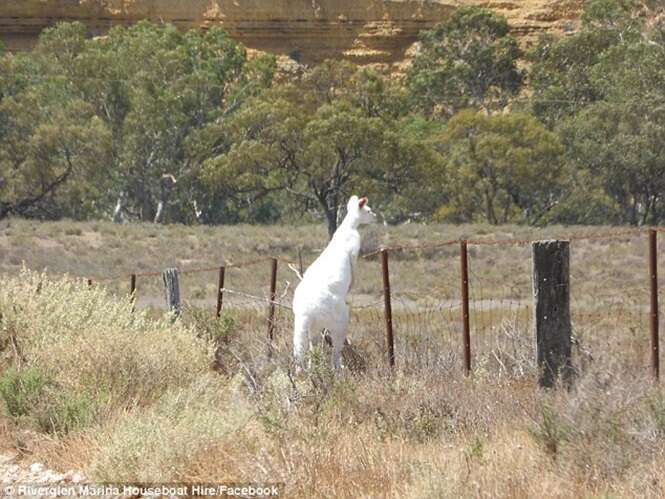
<point>365,31</point>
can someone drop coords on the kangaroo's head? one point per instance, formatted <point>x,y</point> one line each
<point>360,210</point>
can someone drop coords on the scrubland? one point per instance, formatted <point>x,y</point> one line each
<point>140,396</point>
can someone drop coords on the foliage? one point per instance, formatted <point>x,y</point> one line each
<point>217,330</point>
<point>160,442</point>
<point>621,144</point>
<point>585,201</point>
<point>65,413</point>
<point>316,142</point>
<point>561,75</point>
<point>602,91</point>
<point>550,431</point>
<point>501,167</point>
<point>160,85</point>
<point>28,393</point>
<point>21,389</point>
<point>85,355</point>
<point>115,114</point>
<point>150,123</point>
<point>469,61</point>
<point>53,147</point>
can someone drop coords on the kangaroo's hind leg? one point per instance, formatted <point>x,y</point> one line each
<point>338,336</point>
<point>301,338</point>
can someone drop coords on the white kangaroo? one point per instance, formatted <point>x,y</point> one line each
<point>320,298</point>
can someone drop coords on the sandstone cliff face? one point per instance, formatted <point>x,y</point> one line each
<point>365,31</point>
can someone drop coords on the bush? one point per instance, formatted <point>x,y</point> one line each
<point>656,406</point>
<point>89,343</point>
<point>159,443</point>
<point>28,393</point>
<point>21,390</point>
<point>66,413</point>
<point>550,431</point>
<point>214,329</point>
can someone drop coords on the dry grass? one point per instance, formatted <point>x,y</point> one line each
<point>134,396</point>
<point>101,249</point>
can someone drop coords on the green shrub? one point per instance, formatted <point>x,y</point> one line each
<point>215,329</point>
<point>425,423</point>
<point>475,449</point>
<point>90,343</point>
<point>21,390</point>
<point>550,431</point>
<point>67,413</point>
<point>73,231</point>
<point>656,406</point>
<point>28,393</point>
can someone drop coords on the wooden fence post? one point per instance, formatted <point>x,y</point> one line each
<point>653,281</point>
<point>466,329</point>
<point>551,294</point>
<point>388,309</point>
<point>273,290</point>
<point>172,290</point>
<point>220,293</point>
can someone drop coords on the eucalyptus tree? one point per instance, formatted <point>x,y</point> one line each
<point>315,141</point>
<point>467,61</point>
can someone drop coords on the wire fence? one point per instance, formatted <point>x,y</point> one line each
<point>424,317</point>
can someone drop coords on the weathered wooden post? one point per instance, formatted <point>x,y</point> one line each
<point>172,290</point>
<point>388,309</point>
<point>551,295</point>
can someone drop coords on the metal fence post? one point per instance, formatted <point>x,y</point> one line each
<point>388,308</point>
<point>466,330</point>
<point>300,267</point>
<point>132,290</point>
<point>273,290</point>
<point>653,281</point>
<point>220,293</point>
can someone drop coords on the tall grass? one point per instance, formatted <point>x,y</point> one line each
<point>75,356</point>
<point>124,395</point>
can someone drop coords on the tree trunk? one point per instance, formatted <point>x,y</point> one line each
<point>160,211</point>
<point>654,210</point>
<point>331,217</point>
<point>489,209</point>
<point>633,211</point>
<point>117,212</point>
<point>147,209</point>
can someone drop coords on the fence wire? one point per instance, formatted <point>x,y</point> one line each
<point>500,307</point>
<point>609,284</point>
<point>610,300</point>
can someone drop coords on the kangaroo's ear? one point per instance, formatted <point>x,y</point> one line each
<point>362,202</point>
